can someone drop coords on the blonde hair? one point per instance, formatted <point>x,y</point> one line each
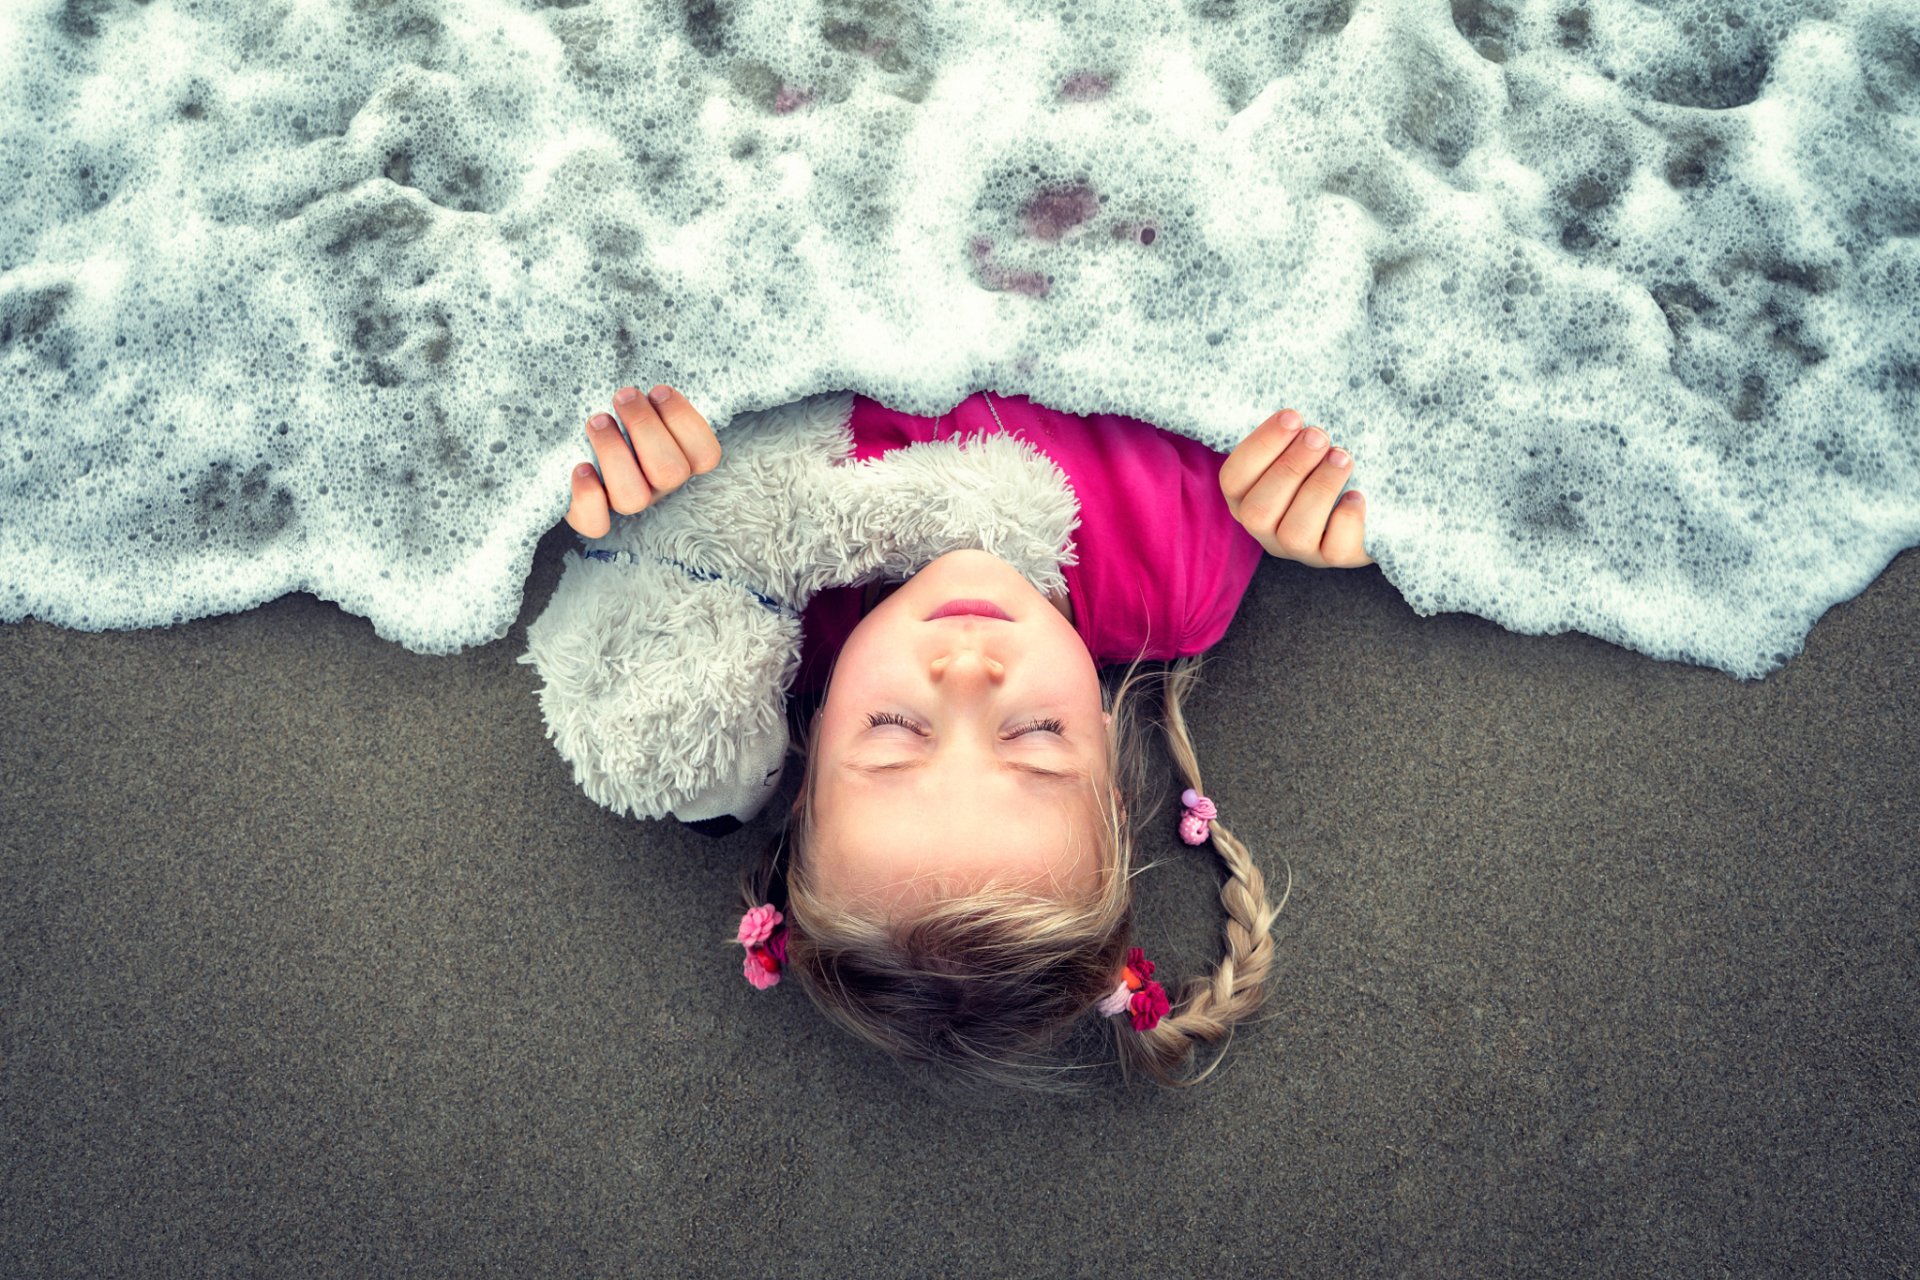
<point>990,987</point>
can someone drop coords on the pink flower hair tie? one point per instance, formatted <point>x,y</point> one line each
<point>1137,994</point>
<point>1198,813</point>
<point>765,938</point>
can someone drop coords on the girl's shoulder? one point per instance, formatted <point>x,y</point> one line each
<point>1163,564</point>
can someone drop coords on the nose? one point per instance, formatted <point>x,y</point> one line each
<point>966,667</point>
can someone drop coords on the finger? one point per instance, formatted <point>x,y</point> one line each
<point>1252,456</point>
<point>588,515</point>
<point>626,488</point>
<point>1304,528</point>
<point>1266,505</point>
<point>1344,546</point>
<point>660,458</point>
<point>698,444</point>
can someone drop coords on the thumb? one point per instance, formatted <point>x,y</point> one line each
<point>589,514</point>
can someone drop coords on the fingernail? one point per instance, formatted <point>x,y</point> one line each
<point>624,395</point>
<point>1338,457</point>
<point>1351,497</point>
<point>602,421</point>
<point>1315,437</point>
<point>584,470</point>
<point>659,394</point>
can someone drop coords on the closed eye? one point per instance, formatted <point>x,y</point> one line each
<point>1047,725</point>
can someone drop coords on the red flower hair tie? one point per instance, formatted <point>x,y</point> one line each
<point>765,938</point>
<point>1137,994</point>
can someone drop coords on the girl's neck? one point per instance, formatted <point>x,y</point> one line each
<point>878,591</point>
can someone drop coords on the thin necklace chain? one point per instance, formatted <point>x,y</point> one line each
<point>990,409</point>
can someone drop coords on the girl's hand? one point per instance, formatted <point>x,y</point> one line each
<point>670,443</point>
<point>1280,483</point>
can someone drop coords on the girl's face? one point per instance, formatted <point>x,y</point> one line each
<point>956,749</point>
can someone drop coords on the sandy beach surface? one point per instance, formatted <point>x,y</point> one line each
<point>317,963</point>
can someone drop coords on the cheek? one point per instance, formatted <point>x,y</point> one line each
<point>1078,677</point>
<point>852,692</point>
<point>873,644</point>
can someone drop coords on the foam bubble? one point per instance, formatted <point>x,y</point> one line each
<point>1615,306</point>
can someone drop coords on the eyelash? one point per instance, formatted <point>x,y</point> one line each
<point>888,717</point>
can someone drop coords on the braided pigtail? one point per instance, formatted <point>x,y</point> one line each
<point>1209,1008</point>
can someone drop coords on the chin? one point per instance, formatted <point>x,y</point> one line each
<point>966,555</point>
<point>970,563</point>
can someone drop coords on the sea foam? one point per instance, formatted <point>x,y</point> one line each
<point>1616,305</point>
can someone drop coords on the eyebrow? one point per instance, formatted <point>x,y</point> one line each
<point>1074,775</point>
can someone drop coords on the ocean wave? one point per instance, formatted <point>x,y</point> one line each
<point>1614,305</point>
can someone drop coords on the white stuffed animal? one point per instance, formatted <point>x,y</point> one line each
<point>668,648</point>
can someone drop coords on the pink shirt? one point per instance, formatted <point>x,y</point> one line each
<point>1162,562</point>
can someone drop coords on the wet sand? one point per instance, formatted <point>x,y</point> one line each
<point>317,962</point>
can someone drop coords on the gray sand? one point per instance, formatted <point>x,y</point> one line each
<point>317,962</point>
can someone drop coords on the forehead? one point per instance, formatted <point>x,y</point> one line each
<point>906,836</point>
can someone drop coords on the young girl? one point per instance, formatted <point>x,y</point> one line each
<point>954,883</point>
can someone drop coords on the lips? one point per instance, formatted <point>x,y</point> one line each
<point>976,608</point>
